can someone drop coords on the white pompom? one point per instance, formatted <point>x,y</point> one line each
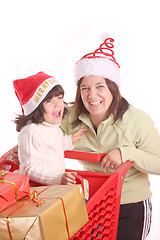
<point>104,36</point>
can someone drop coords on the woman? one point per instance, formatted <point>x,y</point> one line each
<point>119,130</point>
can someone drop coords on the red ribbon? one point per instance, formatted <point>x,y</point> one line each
<point>9,232</point>
<point>65,215</point>
<point>38,202</point>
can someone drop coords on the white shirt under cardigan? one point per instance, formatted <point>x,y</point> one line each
<point>41,152</point>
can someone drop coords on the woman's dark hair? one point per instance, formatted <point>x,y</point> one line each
<point>37,115</point>
<point>117,108</point>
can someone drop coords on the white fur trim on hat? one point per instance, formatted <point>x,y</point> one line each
<point>98,66</point>
<point>40,93</point>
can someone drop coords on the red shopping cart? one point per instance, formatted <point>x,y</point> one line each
<point>104,196</point>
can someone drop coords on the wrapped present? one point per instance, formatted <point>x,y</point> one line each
<point>13,186</point>
<point>58,212</point>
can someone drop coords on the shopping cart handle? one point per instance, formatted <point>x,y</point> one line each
<point>79,180</point>
<point>121,172</point>
<point>7,163</point>
<point>84,156</point>
<point>123,169</point>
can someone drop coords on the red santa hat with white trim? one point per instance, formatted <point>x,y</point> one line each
<point>101,62</point>
<point>32,90</point>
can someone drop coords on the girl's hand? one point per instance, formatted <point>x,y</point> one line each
<point>113,160</point>
<point>78,135</point>
<point>15,155</point>
<point>68,178</point>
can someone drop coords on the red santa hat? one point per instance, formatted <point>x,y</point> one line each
<point>101,62</point>
<point>32,90</point>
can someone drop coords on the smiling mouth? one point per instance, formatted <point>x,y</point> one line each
<point>57,114</point>
<point>96,103</point>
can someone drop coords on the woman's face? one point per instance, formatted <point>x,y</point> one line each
<point>96,96</point>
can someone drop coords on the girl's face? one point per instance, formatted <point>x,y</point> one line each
<point>96,97</point>
<point>53,110</point>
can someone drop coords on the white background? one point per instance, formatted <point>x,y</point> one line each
<point>51,36</point>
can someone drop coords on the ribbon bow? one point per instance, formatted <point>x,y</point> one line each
<point>35,200</point>
<point>2,174</point>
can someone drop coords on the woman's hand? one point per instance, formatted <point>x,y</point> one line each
<point>15,155</point>
<point>113,160</point>
<point>78,135</point>
<point>68,178</point>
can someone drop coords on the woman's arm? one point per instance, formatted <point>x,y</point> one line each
<point>145,154</point>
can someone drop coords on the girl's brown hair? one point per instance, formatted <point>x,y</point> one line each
<point>117,108</point>
<point>37,115</point>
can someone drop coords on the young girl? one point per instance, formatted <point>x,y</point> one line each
<point>41,143</point>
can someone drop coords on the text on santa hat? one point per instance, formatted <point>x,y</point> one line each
<point>43,87</point>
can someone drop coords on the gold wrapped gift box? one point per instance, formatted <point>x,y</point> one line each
<point>62,213</point>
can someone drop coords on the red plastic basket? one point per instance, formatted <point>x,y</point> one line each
<point>104,198</point>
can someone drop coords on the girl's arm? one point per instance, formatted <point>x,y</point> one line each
<point>68,178</point>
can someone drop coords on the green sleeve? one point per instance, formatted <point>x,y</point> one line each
<point>145,152</point>
<point>65,125</point>
<point>67,122</point>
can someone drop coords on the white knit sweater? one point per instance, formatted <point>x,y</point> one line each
<point>41,152</point>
